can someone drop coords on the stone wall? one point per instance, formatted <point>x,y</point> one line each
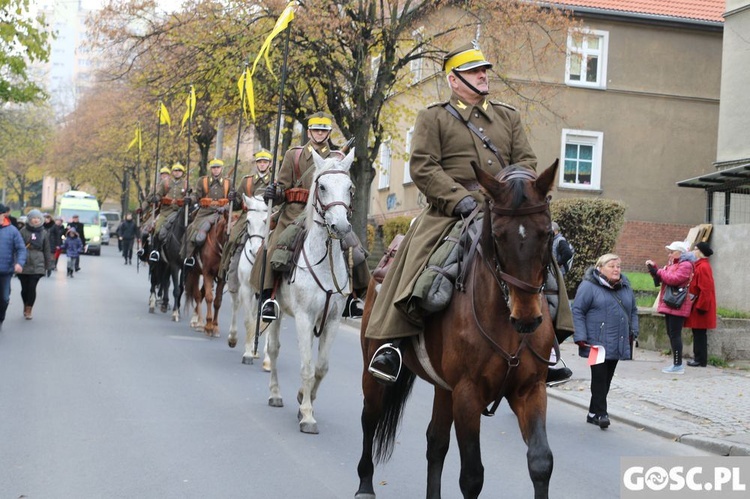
<point>731,265</point>
<point>641,241</point>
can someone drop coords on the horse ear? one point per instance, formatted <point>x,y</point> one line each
<point>317,160</point>
<point>546,180</point>
<point>346,163</point>
<point>486,180</point>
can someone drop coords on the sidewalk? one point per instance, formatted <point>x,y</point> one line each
<point>707,407</point>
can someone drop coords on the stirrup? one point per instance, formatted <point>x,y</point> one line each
<point>561,381</point>
<point>380,375</point>
<point>189,262</point>
<point>138,253</point>
<point>266,317</point>
<point>353,303</point>
<point>153,256</point>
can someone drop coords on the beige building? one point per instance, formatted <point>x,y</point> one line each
<point>636,110</point>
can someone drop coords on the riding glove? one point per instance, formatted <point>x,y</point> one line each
<point>232,196</point>
<point>465,207</point>
<point>274,192</point>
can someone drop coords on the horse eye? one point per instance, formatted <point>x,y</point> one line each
<point>322,187</point>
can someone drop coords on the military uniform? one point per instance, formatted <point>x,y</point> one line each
<point>211,193</point>
<point>442,151</point>
<point>290,176</point>
<point>170,194</point>
<point>250,185</point>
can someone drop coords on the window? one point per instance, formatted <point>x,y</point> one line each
<point>384,179</point>
<point>586,62</point>
<point>416,65</point>
<point>407,149</point>
<point>582,159</point>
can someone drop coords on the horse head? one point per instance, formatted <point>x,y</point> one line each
<point>256,218</point>
<point>518,238</point>
<point>330,204</point>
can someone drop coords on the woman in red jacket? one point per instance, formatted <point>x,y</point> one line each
<point>703,315</point>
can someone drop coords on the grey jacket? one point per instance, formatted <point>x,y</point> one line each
<point>605,315</point>
<point>37,260</point>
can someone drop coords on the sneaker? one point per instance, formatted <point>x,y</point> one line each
<point>674,369</point>
<point>600,420</point>
<point>385,365</point>
<point>695,363</point>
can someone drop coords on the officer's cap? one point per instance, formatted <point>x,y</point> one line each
<point>319,121</point>
<point>164,170</point>
<point>178,167</point>
<point>216,162</point>
<point>263,154</point>
<point>465,58</point>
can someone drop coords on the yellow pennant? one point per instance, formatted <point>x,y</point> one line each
<point>137,138</point>
<point>190,103</point>
<point>281,23</point>
<point>245,85</point>
<point>164,118</point>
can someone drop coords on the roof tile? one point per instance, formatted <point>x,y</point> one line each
<point>702,10</point>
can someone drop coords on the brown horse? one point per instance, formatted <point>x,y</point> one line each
<point>207,268</point>
<point>492,342</point>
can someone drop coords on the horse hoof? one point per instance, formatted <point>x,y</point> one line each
<point>310,428</point>
<point>232,342</point>
<point>175,318</point>
<point>275,402</point>
<point>267,366</point>
<point>216,334</point>
<point>247,360</point>
<point>163,310</point>
<point>151,310</point>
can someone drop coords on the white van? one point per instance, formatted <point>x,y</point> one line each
<point>113,221</point>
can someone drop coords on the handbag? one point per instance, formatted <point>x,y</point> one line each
<point>675,296</point>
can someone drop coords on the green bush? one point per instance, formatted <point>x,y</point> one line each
<point>370,237</point>
<point>394,226</point>
<point>592,226</point>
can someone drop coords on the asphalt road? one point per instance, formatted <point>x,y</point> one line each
<point>100,399</point>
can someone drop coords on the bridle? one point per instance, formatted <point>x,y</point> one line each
<point>321,208</point>
<point>249,252</point>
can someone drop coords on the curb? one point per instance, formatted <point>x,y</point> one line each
<point>708,444</point>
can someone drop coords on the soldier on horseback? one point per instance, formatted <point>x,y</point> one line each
<point>290,193</point>
<point>169,195</point>
<point>212,194</point>
<point>250,185</point>
<point>448,137</point>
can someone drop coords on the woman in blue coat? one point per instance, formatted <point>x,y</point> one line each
<point>604,313</point>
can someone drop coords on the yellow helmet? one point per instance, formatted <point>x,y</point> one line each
<point>464,58</point>
<point>319,121</point>
<point>178,167</point>
<point>216,162</point>
<point>263,154</point>
<point>164,170</point>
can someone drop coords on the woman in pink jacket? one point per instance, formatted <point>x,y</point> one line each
<point>677,272</point>
<point>703,315</point>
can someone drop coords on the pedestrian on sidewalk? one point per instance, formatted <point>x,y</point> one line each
<point>703,314</point>
<point>126,234</point>
<point>677,272</point>
<point>605,314</point>
<point>56,233</point>
<point>73,246</point>
<point>12,258</point>
<point>38,259</point>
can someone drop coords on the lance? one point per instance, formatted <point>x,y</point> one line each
<point>237,148</point>
<point>187,162</point>
<point>156,168</point>
<point>273,178</point>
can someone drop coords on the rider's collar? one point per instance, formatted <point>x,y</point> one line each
<point>465,110</point>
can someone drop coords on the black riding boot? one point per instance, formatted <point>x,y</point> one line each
<point>269,310</point>
<point>385,365</point>
<point>353,308</point>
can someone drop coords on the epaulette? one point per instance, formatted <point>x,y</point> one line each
<point>498,103</point>
<point>438,103</point>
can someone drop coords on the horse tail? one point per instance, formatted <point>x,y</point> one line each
<point>394,402</point>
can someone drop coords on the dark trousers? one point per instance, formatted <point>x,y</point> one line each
<point>127,248</point>
<point>601,379</point>
<point>4,294</point>
<point>700,346</point>
<point>674,331</point>
<point>28,288</point>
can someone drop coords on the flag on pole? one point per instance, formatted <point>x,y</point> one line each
<point>190,103</point>
<point>281,23</point>
<point>596,355</point>
<point>137,138</point>
<point>164,118</point>
<point>245,84</point>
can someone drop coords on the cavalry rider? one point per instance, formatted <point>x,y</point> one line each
<point>169,195</point>
<point>211,192</point>
<point>250,185</point>
<point>443,147</point>
<point>290,192</point>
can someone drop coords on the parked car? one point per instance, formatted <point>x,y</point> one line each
<point>105,230</point>
<point>113,221</point>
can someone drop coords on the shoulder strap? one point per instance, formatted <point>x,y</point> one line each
<point>205,185</point>
<point>297,155</point>
<point>226,187</point>
<point>485,140</point>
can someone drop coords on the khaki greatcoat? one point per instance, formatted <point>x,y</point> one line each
<point>168,189</point>
<point>440,162</point>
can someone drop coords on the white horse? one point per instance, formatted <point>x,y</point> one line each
<point>317,293</point>
<point>257,215</point>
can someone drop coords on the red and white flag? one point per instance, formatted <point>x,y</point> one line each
<point>596,355</point>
